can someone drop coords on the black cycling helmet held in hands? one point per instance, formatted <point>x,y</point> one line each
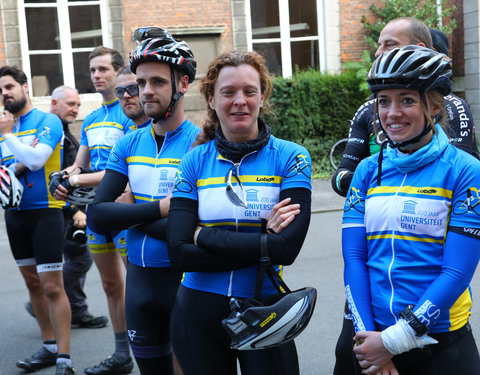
<point>158,45</point>
<point>411,67</point>
<point>259,325</point>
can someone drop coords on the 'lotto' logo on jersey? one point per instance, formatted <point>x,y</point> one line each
<point>265,179</point>
<point>427,191</point>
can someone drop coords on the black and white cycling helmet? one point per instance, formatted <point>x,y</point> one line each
<point>11,189</point>
<point>81,196</point>
<point>411,67</point>
<point>254,325</point>
<point>164,48</point>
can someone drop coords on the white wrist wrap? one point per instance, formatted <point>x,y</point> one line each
<point>401,338</point>
<point>75,182</point>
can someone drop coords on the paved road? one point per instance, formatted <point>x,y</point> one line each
<point>319,265</point>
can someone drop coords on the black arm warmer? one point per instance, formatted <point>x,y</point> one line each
<point>221,250</point>
<point>357,147</point>
<point>184,255</point>
<point>108,215</point>
<point>156,229</point>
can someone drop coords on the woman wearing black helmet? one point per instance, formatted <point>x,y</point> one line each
<point>411,228</point>
<point>237,175</point>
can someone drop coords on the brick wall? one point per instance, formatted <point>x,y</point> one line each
<point>351,27</point>
<point>178,14</point>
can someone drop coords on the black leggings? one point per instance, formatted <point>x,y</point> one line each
<point>149,300</point>
<point>456,353</point>
<point>203,347</point>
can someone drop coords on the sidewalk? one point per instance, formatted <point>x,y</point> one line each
<point>324,199</point>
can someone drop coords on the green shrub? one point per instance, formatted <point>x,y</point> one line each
<point>313,109</point>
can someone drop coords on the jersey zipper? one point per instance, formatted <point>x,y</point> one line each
<point>237,166</point>
<point>98,148</point>
<point>393,250</point>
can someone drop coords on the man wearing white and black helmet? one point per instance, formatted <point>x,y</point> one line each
<point>147,160</point>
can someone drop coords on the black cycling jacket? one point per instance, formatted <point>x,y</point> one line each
<point>362,142</point>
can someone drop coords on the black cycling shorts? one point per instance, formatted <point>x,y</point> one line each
<point>36,235</point>
<point>149,299</point>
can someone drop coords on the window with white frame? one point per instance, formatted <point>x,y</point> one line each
<point>56,37</point>
<point>288,33</point>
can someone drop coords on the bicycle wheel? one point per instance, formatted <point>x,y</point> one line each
<point>336,152</point>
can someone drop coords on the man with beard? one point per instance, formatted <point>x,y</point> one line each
<point>127,93</point>
<point>35,228</point>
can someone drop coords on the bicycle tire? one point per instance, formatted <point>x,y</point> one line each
<point>336,152</point>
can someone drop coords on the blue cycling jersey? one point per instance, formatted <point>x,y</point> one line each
<point>403,244</point>
<point>48,128</point>
<point>151,175</point>
<point>101,129</point>
<point>203,176</point>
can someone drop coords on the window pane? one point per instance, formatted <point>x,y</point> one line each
<point>85,26</point>
<point>305,54</point>
<point>82,73</point>
<point>272,54</point>
<point>39,1</point>
<point>47,73</point>
<point>265,19</point>
<point>303,18</point>
<point>42,28</point>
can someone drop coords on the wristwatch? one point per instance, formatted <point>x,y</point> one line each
<point>412,320</point>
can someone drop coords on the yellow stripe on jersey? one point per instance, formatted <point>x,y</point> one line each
<point>152,161</point>
<point>243,179</point>
<point>400,237</point>
<point>231,223</point>
<point>106,123</point>
<point>460,311</point>
<point>143,199</point>
<point>427,190</point>
<point>100,147</point>
<point>26,132</point>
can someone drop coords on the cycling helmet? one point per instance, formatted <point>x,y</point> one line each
<point>259,325</point>
<point>167,49</point>
<point>81,195</point>
<point>411,67</point>
<point>11,189</point>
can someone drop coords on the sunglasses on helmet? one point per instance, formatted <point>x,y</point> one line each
<point>132,90</point>
<point>235,194</point>
<point>143,33</point>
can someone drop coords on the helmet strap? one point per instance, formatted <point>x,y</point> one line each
<point>175,97</point>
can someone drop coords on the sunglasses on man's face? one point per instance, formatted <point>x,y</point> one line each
<point>132,90</point>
